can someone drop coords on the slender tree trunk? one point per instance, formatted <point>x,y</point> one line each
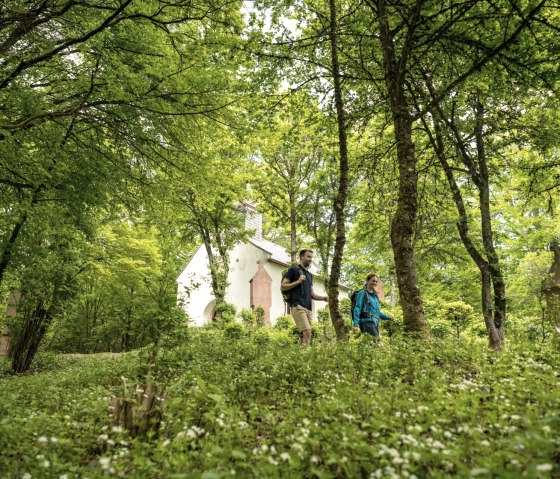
<point>486,223</point>
<point>402,224</point>
<point>217,275</point>
<point>341,197</point>
<point>495,338</point>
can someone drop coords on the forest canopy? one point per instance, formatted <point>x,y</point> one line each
<point>417,139</point>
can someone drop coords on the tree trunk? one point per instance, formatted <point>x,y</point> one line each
<point>552,287</point>
<point>402,224</point>
<point>217,274</point>
<point>341,196</point>
<point>486,224</point>
<point>25,341</point>
<point>495,336</point>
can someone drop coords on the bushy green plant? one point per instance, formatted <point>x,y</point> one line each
<point>460,315</point>
<point>248,317</point>
<point>234,330</point>
<point>440,328</point>
<point>225,312</point>
<point>345,306</point>
<point>283,322</point>
<point>259,316</point>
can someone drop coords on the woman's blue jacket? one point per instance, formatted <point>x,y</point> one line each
<point>371,308</point>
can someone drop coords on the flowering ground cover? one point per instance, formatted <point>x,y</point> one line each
<point>260,406</point>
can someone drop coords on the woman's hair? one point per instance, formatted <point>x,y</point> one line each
<point>371,275</point>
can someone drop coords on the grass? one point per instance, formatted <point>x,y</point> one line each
<point>260,406</point>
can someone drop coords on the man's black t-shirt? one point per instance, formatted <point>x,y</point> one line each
<point>301,294</point>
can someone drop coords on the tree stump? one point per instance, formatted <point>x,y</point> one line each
<point>140,411</point>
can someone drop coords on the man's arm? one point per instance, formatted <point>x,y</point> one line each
<point>287,285</point>
<point>318,297</point>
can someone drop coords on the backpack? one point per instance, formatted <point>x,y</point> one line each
<point>286,294</point>
<point>353,298</point>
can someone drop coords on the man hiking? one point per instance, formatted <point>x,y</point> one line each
<point>298,281</point>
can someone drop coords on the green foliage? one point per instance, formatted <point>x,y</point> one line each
<point>248,317</point>
<point>234,331</point>
<point>225,313</point>
<point>346,307</point>
<point>261,406</point>
<point>253,318</point>
<point>126,294</point>
<point>453,318</point>
<point>460,315</point>
<point>259,316</point>
<point>284,322</point>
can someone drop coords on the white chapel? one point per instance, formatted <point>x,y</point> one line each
<point>254,278</point>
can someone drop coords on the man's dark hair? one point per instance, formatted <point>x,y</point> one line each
<point>303,251</point>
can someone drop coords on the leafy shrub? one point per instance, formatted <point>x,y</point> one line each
<point>345,306</point>
<point>440,328</point>
<point>283,322</point>
<point>259,316</point>
<point>234,331</point>
<point>248,317</point>
<point>460,315</point>
<point>262,337</point>
<point>225,312</point>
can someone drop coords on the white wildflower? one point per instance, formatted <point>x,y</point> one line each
<point>478,471</point>
<point>437,445</point>
<point>46,464</point>
<point>297,447</point>
<point>43,439</point>
<point>285,456</point>
<point>544,467</point>
<point>448,466</point>
<point>105,462</point>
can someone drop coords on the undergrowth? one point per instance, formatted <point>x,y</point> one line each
<point>260,406</point>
